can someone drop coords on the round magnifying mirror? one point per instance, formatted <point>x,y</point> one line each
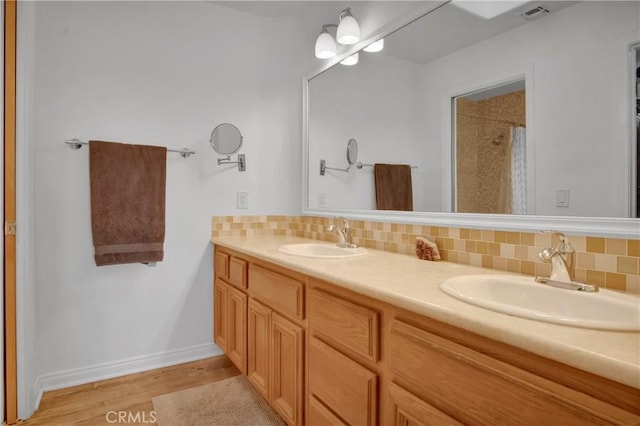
<point>226,139</point>
<point>352,152</point>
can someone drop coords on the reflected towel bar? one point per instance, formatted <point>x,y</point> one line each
<point>360,165</point>
<point>77,144</point>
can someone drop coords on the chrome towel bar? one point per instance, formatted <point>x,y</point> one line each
<point>77,144</point>
<point>360,165</point>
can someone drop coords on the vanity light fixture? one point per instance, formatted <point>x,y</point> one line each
<point>350,60</point>
<point>348,29</point>
<point>376,46</point>
<point>325,44</point>
<point>348,32</point>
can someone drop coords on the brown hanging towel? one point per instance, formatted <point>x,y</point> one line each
<point>393,187</point>
<point>127,202</point>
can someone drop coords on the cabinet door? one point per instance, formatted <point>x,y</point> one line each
<point>237,328</point>
<point>342,385</point>
<point>409,410</point>
<point>287,340</point>
<point>259,319</point>
<point>220,323</point>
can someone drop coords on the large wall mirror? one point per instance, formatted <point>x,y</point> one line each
<point>522,120</point>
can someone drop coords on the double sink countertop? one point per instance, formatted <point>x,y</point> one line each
<point>413,284</point>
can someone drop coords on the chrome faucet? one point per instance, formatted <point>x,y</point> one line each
<point>562,259</point>
<point>344,234</point>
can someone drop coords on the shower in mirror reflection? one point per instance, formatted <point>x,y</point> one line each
<point>490,148</point>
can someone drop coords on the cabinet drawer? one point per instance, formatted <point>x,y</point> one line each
<point>477,389</point>
<point>344,386</point>
<point>238,272</point>
<point>409,410</point>
<point>282,293</point>
<point>221,264</point>
<point>319,415</point>
<point>347,325</point>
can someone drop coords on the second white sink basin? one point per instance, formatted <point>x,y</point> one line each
<point>523,297</point>
<point>323,251</point>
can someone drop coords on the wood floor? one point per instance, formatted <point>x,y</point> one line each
<point>89,404</point>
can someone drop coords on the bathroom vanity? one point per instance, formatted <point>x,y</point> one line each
<point>372,340</point>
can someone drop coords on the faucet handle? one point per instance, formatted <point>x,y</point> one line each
<point>345,223</point>
<point>564,246</point>
<point>558,234</point>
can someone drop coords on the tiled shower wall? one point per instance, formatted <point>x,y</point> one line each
<point>483,151</point>
<point>608,262</point>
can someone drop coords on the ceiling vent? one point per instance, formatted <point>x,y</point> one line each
<point>534,13</point>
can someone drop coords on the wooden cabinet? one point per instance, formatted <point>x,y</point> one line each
<point>230,322</point>
<point>287,363</point>
<point>342,385</point>
<point>238,272</point>
<point>409,410</point>
<point>477,389</point>
<point>276,361</point>
<point>230,307</point>
<point>220,324</point>
<point>351,327</point>
<point>221,264</point>
<point>320,415</point>
<point>324,355</point>
<point>282,292</point>
<point>237,328</point>
<point>258,347</point>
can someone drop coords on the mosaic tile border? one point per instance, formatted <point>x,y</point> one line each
<point>608,262</point>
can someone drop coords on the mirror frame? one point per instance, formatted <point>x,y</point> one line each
<point>585,226</point>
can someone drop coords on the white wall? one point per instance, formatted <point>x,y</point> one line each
<point>376,103</point>
<point>580,102</point>
<point>155,73</point>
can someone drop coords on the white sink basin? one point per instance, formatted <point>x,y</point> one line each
<point>320,250</point>
<point>523,297</point>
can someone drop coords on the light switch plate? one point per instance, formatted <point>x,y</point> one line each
<point>242,200</point>
<point>322,200</point>
<point>562,198</point>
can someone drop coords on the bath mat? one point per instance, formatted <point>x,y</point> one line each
<point>229,402</point>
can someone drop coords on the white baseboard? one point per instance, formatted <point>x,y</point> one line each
<point>78,376</point>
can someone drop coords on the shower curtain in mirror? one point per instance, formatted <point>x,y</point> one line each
<point>518,170</point>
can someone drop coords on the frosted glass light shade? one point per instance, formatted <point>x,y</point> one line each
<point>325,46</point>
<point>348,30</point>
<point>376,46</point>
<point>350,60</point>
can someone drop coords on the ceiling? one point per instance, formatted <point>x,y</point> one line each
<point>450,28</point>
<point>444,31</point>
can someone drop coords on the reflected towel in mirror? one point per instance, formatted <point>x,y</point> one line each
<point>394,190</point>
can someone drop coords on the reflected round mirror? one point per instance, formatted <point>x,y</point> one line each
<point>352,152</point>
<point>226,139</point>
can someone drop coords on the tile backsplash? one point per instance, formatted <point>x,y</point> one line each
<point>608,262</point>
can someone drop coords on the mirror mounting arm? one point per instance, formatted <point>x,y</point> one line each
<point>242,164</point>
<point>324,167</point>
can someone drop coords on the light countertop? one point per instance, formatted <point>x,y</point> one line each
<point>413,284</point>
